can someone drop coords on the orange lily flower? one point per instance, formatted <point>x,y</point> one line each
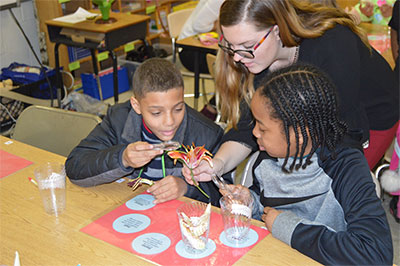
<point>191,157</point>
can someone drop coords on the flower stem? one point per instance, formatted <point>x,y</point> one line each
<point>196,184</point>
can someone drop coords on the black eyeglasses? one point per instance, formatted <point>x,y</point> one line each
<point>243,53</point>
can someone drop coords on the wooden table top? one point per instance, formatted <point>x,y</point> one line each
<point>123,20</point>
<point>194,41</point>
<point>42,239</point>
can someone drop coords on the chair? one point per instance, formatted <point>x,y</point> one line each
<point>378,187</point>
<point>211,68</point>
<point>23,98</point>
<point>176,20</point>
<point>385,161</point>
<point>385,164</point>
<point>52,129</point>
<point>247,176</point>
<point>9,93</point>
<point>211,64</point>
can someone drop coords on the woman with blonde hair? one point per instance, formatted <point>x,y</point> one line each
<point>262,36</point>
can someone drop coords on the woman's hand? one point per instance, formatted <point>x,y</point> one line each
<point>229,155</point>
<point>203,172</point>
<point>269,217</point>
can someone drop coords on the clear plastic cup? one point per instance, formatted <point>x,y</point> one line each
<point>51,182</point>
<point>194,221</point>
<point>236,214</point>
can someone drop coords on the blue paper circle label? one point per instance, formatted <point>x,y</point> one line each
<point>189,253</point>
<point>151,243</point>
<point>250,239</point>
<point>131,223</point>
<point>141,202</point>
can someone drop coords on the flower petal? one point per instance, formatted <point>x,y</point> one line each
<point>209,160</point>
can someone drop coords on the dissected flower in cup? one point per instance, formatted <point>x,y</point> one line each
<point>194,227</point>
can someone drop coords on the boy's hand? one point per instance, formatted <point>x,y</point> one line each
<point>269,217</point>
<point>139,154</point>
<point>168,188</point>
<point>203,172</point>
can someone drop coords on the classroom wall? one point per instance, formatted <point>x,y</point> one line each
<point>13,46</point>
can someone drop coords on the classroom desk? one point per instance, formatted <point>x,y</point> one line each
<point>193,43</point>
<point>127,28</point>
<point>379,37</point>
<point>42,239</point>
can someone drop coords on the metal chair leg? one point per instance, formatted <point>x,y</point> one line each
<point>203,84</point>
<point>173,50</point>
<point>378,173</point>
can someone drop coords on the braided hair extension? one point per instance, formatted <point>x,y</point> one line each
<point>304,98</point>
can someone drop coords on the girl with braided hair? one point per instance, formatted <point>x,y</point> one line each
<point>312,192</point>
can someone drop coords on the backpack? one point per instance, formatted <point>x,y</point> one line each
<point>145,52</point>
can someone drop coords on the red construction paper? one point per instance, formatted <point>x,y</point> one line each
<point>10,163</point>
<point>164,220</point>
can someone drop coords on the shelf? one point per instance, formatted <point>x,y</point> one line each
<point>132,7</point>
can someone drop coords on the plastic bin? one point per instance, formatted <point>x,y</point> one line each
<point>131,67</point>
<point>89,83</point>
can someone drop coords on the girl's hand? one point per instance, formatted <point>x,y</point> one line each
<point>237,194</point>
<point>203,172</point>
<point>238,191</point>
<point>269,217</point>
